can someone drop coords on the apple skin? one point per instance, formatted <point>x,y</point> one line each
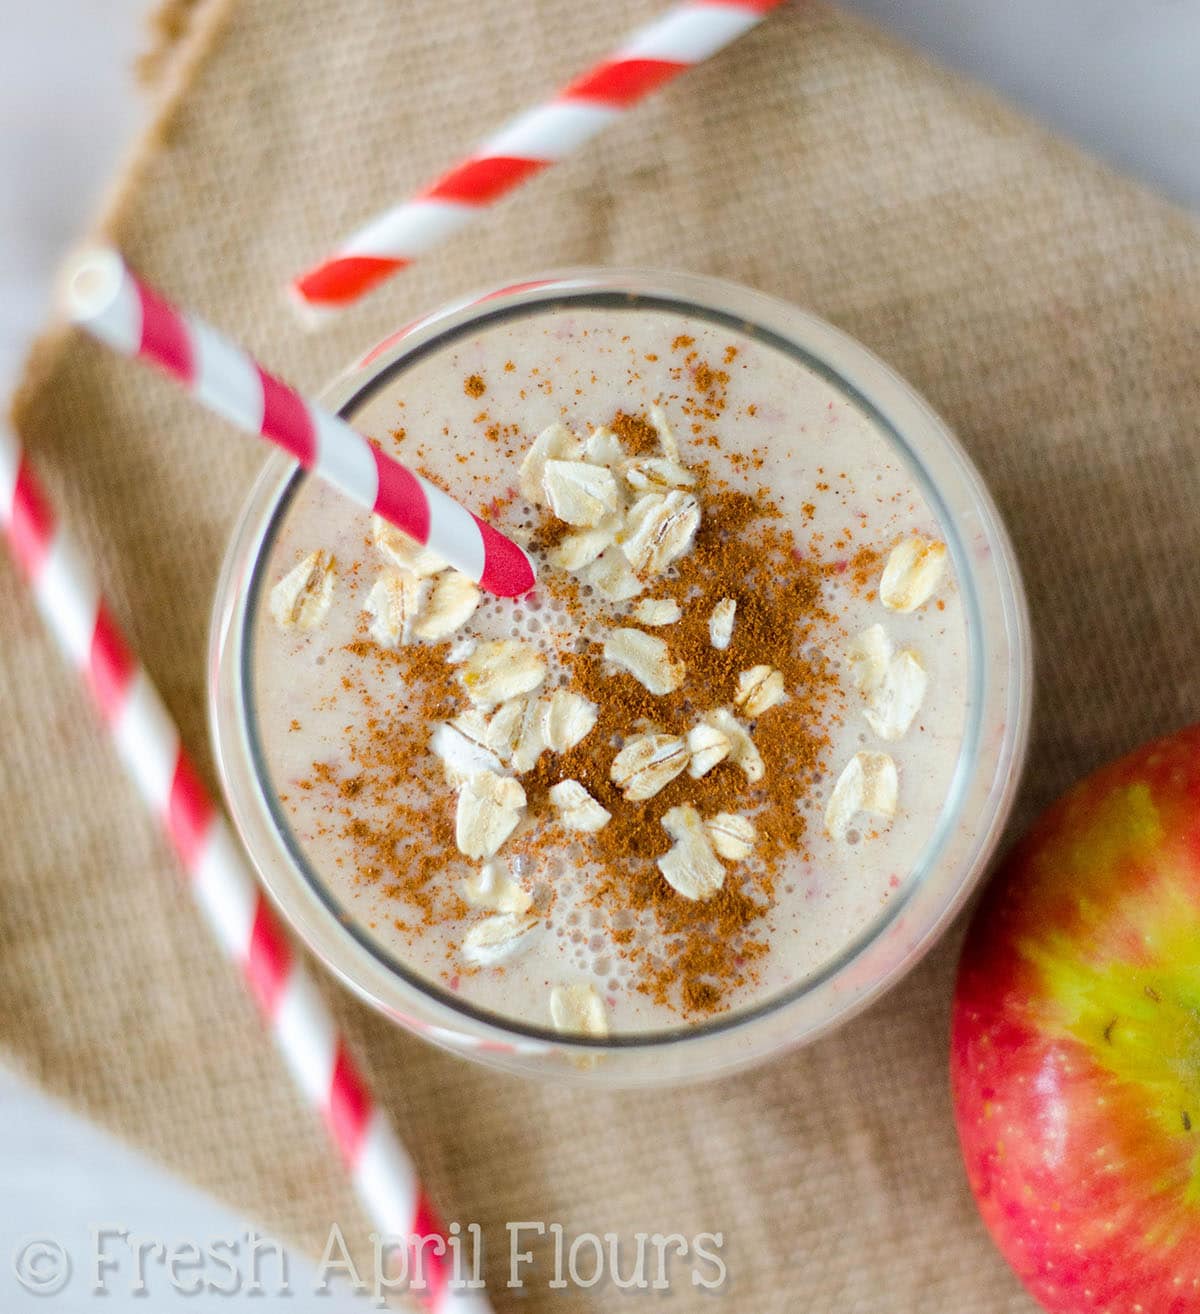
<point>1075,1043</point>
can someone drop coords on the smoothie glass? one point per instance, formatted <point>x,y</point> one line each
<point>959,844</point>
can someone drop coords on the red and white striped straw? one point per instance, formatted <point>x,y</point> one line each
<point>104,297</point>
<point>652,56</point>
<point>238,913</point>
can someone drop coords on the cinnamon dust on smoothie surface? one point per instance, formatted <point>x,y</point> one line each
<point>706,949</point>
<point>742,552</point>
<point>744,639</point>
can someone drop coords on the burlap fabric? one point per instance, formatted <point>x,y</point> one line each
<point>1049,310</point>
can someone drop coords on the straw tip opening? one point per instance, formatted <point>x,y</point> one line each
<point>90,281</point>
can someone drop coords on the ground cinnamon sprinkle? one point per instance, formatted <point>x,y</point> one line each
<point>409,853</point>
<point>708,948</point>
<point>865,565</point>
<point>689,956</point>
<point>638,435</point>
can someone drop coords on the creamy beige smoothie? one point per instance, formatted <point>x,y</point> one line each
<point>699,759</point>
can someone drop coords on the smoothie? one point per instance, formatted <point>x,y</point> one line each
<point>698,760</point>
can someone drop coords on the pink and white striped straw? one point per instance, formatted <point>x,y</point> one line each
<point>651,57</point>
<point>237,912</point>
<point>104,297</point>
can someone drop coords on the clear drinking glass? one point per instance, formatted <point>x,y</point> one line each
<point>958,848</point>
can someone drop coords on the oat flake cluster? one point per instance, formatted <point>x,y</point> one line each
<point>892,684</point>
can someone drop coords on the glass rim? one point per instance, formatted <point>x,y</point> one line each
<point>614,289</point>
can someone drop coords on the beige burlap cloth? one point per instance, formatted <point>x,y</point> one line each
<point>1049,310</point>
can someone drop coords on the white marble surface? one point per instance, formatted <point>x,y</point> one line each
<point>1121,76</point>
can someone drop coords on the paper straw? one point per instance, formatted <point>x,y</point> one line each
<point>229,897</point>
<point>104,297</point>
<point>651,57</point>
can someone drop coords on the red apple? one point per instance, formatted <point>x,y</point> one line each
<point>1075,1049</point>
